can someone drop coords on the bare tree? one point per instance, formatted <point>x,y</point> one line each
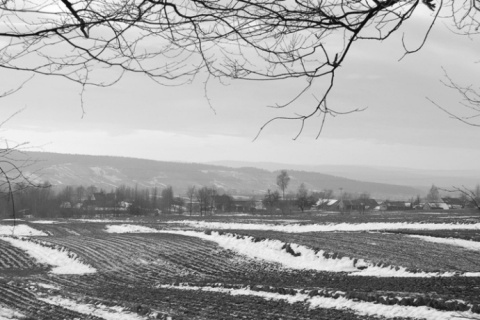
<point>283,180</point>
<point>13,165</point>
<point>469,195</point>
<point>190,195</point>
<point>167,199</point>
<point>271,200</point>
<point>304,200</point>
<point>251,40</point>
<point>213,192</point>
<point>469,103</point>
<point>203,197</point>
<point>433,195</point>
<point>364,196</point>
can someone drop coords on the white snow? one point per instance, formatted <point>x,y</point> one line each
<point>48,286</point>
<point>298,228</point>
<point>72,232</point>
<point>8,314</point>
<point>467,244</point>
<point>129,228</point>
<point>100,220</point>
<point>388,311</point>
<point>62,261</point>
<point>45,222</point>
<point>282,221</point>
<point>341,303</point>
<point>102,311</point>
<point>20,230</point>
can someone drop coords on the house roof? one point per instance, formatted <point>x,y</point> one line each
<point>397,203</point>
<point>326,202</point>
<point>453,201</point>
<point>359,202</point>
<point>438,205</point>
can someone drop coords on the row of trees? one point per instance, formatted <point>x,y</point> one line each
<point>45,201</point>
<point>302,198</point>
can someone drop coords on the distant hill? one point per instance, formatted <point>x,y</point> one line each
<point>108,172</point>
<point>418,178</point>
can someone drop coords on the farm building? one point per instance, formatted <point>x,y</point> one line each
<point>435,206</point>
<point>357,205</point>
<point>454,203</point>
<point>327,204</point>
<point>397,205</point>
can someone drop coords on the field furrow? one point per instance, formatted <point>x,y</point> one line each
<point>157,270</point>
<point>26,303</point>
<point>15,258</point>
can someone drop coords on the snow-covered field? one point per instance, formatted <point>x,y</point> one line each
<point>62,261</point>
<point>466,244</point>
<point>301,228</point>
<point>303,258</point>
<point>22,230</point>
<point>9,314</point>
<point>45,221</point>
<point>340,303</point>
<point>98,310</point>
<point>308,259</point>
<point>129,228</point>
<point>102,220</point>
<point>133,269</point>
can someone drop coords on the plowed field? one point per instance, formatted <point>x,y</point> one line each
<point>173,271</point>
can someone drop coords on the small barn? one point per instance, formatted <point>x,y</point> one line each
<point>454,203</point>
<point>435,206</point>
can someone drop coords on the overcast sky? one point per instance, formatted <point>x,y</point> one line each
<point>138,118</point>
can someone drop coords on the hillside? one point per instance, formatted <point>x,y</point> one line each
<point>109,172</point>
<point>419,178</point>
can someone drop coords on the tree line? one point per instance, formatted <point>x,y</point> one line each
<point>45,201</point>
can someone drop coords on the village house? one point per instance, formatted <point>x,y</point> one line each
<point>360,205</point>
<point>397,205</point>
<point>435,206</point>
<point>327,204</point>
<point>454,203</point>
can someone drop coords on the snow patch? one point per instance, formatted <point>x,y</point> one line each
<point>100,310</point>
<point>72,232</point>
<point>20,230</point>
<point>62,260</point>
<point>100,220</point>
<point>45,222</point>
<point>301,228</point>
<point>467,244</point>
<point>48,286</point>
<point>7,314</point>
<point>129,228</point>
<point>341,303</point>
<point>278,221</point>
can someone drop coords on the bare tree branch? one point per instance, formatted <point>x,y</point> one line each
<point>171,42</point>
